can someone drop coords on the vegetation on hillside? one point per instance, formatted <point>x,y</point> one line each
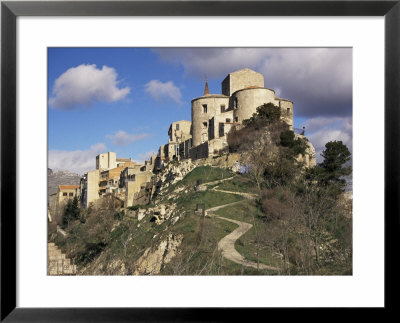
<point>304,216</point>
<point>301,221</point>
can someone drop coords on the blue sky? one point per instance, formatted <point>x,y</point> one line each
<point>124,99</point>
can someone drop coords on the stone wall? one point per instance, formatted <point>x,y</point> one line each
<point>217,146</point>
<point>286,110</point>
<point>134,186</point>
<point>106,161</point>
<point>245,102</point>
<point>224,120</point>
<point>200,118</point>
<point>179,131</point>
<point>92,187</point>
<point>200,151</point>
<point>240,80</point>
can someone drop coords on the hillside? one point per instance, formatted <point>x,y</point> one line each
<point>173,236</point>
<point>55,178</point>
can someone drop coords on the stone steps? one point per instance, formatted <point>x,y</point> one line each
<point>57,262</point>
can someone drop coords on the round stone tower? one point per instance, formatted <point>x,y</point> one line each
<point>203,109</point>
<point>246,101</point>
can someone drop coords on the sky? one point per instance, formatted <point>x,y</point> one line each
<point>124,99</point>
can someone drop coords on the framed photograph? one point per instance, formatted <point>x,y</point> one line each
<point>190,156</point>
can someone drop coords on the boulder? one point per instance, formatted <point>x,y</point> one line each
<point>162,209</point>
<point>141,214</point>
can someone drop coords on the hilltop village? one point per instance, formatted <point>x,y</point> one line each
<point>235,191</point>
<point>202,138</point>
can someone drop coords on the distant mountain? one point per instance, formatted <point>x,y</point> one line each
<point>61,177</point>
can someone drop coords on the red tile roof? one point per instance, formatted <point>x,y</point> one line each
<point>68,187</point>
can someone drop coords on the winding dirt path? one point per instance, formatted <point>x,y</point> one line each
<point>250,196</point>
<point>227,243</point>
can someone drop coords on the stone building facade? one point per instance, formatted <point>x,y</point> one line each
<point>213,115</point>
<point>124,180</point>
<point>106,161</point>
<point>66,192</point>
<point>133,180</point>
<point>109,160</point>
<point>179,141</point>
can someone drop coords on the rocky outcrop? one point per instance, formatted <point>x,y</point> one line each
<point>161,213</point>
<point>141,214</point>
<point>153,260</point>
<point>308,160</point>
<point>172,173</point>
<point>176,171</point>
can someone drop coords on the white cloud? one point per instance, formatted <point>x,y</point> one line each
<point>212,62</point>
<point>84,85</point>
<point>318,80</point>
<point>322,130</point>
<point>77,161</point>
<point>122,138</point>
<point>161,91</point>
<point>146,156</point>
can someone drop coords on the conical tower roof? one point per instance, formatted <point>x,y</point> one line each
<point>206,90</point>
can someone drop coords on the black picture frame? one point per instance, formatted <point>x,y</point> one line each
<point>10,10</point>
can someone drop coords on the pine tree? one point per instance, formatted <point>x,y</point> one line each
<point>71,211</point>
<point>336,155</point>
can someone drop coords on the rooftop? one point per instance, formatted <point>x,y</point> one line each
<point>253,88</point>
<point>181,121</point>
<point>211,96</point>
<point>68,187</point>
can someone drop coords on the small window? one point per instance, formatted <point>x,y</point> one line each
<point>177,126</point>
<point>288,111</point>
<point>65,194</point>
<point>205,108</point>
<point>71,194</point>
<point>228,120</point>
<point>204,125</point>
<point>222,108</point>
<point>235,103</point>
<point>236,119</point>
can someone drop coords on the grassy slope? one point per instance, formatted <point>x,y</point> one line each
<point>246,245</point>
<point>199,254</point>
<point>239,184</point>
<point>199,248</point>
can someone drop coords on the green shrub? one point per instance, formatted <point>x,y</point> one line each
<point>135,207</point>
<point>119,215</point>
<point>297,145</point>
